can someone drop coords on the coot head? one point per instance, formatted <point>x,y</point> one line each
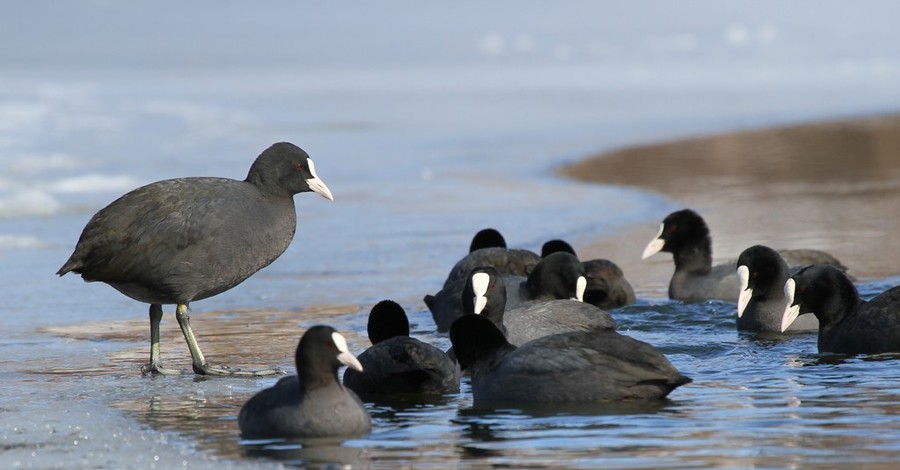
<point>475,337</point>
<point>284,167</point>
<point>487,238</point>
<point>678,230</point>
<point>386,320</point>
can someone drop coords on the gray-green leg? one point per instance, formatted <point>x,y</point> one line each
<point>155,365</point>
<point>200,366</point>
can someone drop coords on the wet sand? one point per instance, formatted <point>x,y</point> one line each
<point>833,186</point>
<point>265,338</point>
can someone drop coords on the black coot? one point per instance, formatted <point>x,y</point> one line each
<point>397,363</point>
<point>592,366</point>
<point>312,403</point>
<point>606,285</point>
<point>685,234</point>
<point>847,324</point>
<point>487,238</point>
<point>485,294</point>
<point>558,276</point>
<point>762,273</point>
<point>556,245</point>
<point>186,239</point>
<point>488,248</point>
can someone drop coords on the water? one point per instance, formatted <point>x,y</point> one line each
<point>428,123</point>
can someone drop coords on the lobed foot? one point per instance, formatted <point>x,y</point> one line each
<point>225,371</point>
<point>154,368</point>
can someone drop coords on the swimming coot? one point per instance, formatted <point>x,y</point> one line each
<point>685,234</point>
<point>591,366</point>
<point>847,324</point>
<point>556,245</point>
<point>487,238</point>
<point>606,285</point>
<point>762,273</point>
<point>558,276</point>
<point>488,248</point>
<point>485,294</point>
<point>397,363</point>
<point>312,403</point>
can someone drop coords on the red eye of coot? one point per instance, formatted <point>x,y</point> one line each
<point>298,166</point>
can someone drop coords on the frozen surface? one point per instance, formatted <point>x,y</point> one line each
<point>428,122</point>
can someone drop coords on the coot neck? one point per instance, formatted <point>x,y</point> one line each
<point>494,309</point>
<point>696,257</point>
<point>314,376</point>
<point>491,358</point>
<point>267,185</point>
<point>773,285</point>
<point>834,308</point>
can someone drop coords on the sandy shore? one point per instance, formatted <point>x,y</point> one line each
<point>833,186</point>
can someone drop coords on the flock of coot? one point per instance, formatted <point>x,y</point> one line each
<point>527,328</point>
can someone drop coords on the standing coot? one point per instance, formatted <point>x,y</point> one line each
<point>186,239</point>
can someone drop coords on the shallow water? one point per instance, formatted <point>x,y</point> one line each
<point>755,401</point>
<point>424,139</point>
